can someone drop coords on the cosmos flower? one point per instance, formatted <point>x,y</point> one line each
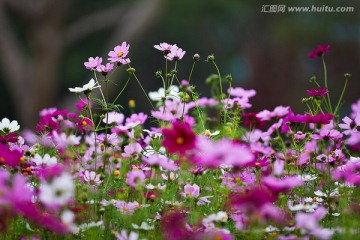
<point>8,127</point>
<point>319,51</point>
<point>85,88</point>
<point>119,54</point>
<point>93,63</point>
<point>179,138</point>
<point>320,92</point>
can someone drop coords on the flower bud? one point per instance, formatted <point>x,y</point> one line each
<point>130,70</point>
<point>158,74</point>
<point>210,58</point>
<point>196,57</point>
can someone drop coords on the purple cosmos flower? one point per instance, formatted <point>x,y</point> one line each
<point>164,162</point>
<point>179,138</point>
<point>319,51</point>
<point>93,63</point>
<point>135,176</point>
<point>278,111</point>
<point>9,138</point>
<point>320,92</point>
<point>119,54</point>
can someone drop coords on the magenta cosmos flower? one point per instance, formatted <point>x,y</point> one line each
<point>119,54</point>
<point>319,51</point>
<point>320,92</point>
<point>179,138</point>
<point>8,157</point>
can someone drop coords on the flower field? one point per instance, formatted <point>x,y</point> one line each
<point>194,167</point>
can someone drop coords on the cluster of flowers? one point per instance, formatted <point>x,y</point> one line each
<point>209,169</point>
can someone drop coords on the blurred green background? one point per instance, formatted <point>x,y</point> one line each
<point>44,44</point>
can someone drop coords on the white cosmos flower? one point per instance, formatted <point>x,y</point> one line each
<point>59,191</point>
<point>173,93</point>
<point>46,160</point>
<point>87,87</point>
<point>7,127</point>
<point>143,226</point>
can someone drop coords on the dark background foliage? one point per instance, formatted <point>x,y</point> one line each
<point>44,44</point>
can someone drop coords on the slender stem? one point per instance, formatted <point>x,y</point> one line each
<point>191,71</point>
<point>341,96</point>
<point>94,130</point>
<point>220,83</point>
<point>172,79</point>
<point>127,81</point>
<point>97,81</point>
<point>326,84</point>
<point>144,91</point>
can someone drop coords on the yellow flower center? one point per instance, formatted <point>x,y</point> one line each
<point>120,54</point>
<point>179,140</point>
<point>84,123</point>
<point>207,132</point>
<point>116,172</point>
<point>2,159</point>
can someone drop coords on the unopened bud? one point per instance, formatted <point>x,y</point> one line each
<point>130,70</point>
<point>210,58</point>
<point>196,57</point>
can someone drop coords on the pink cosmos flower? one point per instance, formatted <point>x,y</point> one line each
<point>93,63</point>
<point>355,107</point>
<point>299,135</point>
<point>126,208</point>
<point>84,124</point>
<point>136,119</point>
<point>350,125</point>
<point>165,47</point>
<point>9,138</point>
<point>284,185</point>
<point>135,176</point>
<point>326,134</point>
<point>320,92</point>
<point>113,118</point>
<point>92,178</point>
<point>222,152</point>
<point>278,111</point>
<point>191,190</point>
<point>179,138</point>
<point>105,68</point>
<point>251,120</point>
<point>319,51</point>
<point>309,222</point>
<point>123,235</point>
<point>132,149</point>
<point>175,54</point>
<point>241,93</point>
<point>119,54</point>
<point>160,160</point>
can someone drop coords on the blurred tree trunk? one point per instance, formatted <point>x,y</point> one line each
<point>31,72</point>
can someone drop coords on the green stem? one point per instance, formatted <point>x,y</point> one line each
<point>341,96</point>
<point>326,84</point>
<point>127,81</point>
<point>220,83</point>
<point>144,91</point>
<point>191,71</point>
<point>97,81</point>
